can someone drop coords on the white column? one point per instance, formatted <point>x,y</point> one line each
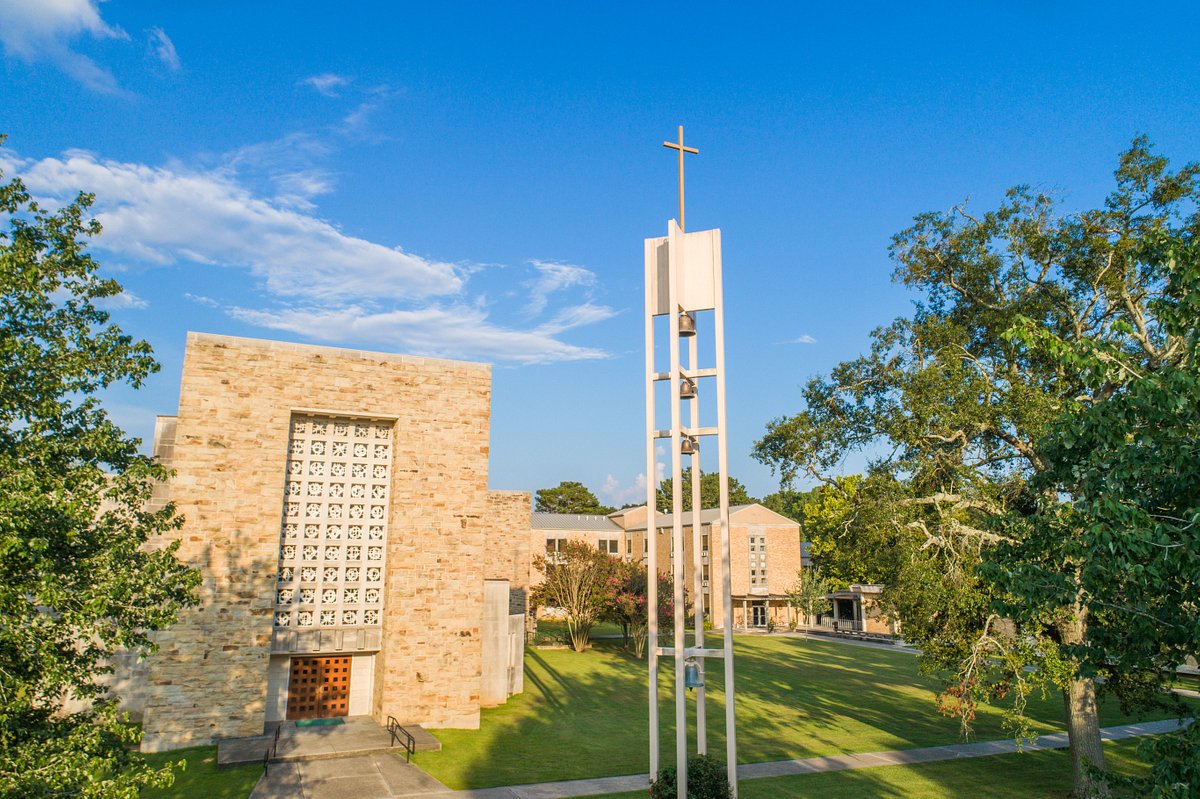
<point>650,537</point>
<point>676,264</point>
<point>723,468</point>
<point>697,555</point>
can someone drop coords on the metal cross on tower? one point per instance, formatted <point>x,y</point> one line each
<point>681,150</point>
<point>683,279</point>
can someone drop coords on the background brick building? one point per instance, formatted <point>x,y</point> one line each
<point>764,553</point>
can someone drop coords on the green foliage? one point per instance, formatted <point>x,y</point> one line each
<point>569,497</point>
<point>1028,316</point>
<point>630,607</point>
<point>850,524</point>
<point>710,491</point>
<point>707,778</point>
<point>807,594</point>
<point>583,582</point>
<point>1175,769</point>
<point>77,581</point>
<point>1129,542</point>
<point>788,502</point>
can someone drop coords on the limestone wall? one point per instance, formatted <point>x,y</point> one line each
<point>508,553</point>
<point>209,678</point>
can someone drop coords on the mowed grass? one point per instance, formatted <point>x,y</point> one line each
<point>556,628</point>
<point>1031,775</point>
<point>584,714</point>
<point>201,779</point>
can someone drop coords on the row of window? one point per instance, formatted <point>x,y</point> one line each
<point>758,560</point>
<point>611,546</point>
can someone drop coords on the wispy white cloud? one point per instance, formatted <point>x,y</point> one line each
<point>42,31</point>
<point>201,299</point>
<point>576,316</point>
<point>164,48</point>
<point>289,163</point>
<point>327,83</point>
<point>167,216</point>
<point>456,331</point>
<point>805,339</point>
<point>316,281</point>
<point>553,277</point>
<point>126,299</point>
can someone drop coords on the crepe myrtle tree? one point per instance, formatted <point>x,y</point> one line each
<point>580,580</point>
<point>964,411</point>
<point>78,582</point>
<point>630,604</point>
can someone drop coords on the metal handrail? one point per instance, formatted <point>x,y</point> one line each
<point>272,750</point>
<point>397,732</point>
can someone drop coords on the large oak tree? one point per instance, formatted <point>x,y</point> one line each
<point>956,405</point>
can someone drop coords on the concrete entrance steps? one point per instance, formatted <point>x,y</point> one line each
<point>359,735</point>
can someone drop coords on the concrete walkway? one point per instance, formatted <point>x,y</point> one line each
<point>372,777</point>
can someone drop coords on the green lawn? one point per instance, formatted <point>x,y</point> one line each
<point>584,715</point>
<point>201,779</point>
<point>1032,775</point>
<point>555,628</point>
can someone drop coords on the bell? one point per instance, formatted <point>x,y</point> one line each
<point>687,324</point>
<point>687,388</point>
<point>689,446</point>
<point>692,678</point>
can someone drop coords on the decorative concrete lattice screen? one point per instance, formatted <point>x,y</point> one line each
<point>334,532</point>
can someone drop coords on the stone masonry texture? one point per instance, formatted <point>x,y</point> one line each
<point>208,680</point>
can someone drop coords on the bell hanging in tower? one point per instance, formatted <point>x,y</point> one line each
<point>687,324</point>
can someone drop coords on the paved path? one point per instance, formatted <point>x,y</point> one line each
<point>374,776</point>
<point>388,777</point>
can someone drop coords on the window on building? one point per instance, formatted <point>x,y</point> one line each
<point>705,574</point>
<point>704,542</point>
<point>628,546</point>
<point>758,561</point>
<point>608,546</point>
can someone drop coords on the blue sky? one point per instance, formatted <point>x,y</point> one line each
<point>475,180</point>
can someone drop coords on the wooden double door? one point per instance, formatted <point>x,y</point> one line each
<point>319,687</point>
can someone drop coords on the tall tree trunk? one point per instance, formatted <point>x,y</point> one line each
<point>1083,719</point>
<point>1083,731</point>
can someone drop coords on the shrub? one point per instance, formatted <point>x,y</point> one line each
<point>706,779</point>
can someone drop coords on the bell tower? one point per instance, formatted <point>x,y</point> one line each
<point>683,284</point>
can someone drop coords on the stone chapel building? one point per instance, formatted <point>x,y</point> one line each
<point>354,561</point>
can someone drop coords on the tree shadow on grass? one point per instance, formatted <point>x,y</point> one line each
<point>585,714</point>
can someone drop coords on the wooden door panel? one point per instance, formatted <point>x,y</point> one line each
<point>318,687</point>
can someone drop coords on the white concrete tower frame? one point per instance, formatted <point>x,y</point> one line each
<point>683,276</point>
